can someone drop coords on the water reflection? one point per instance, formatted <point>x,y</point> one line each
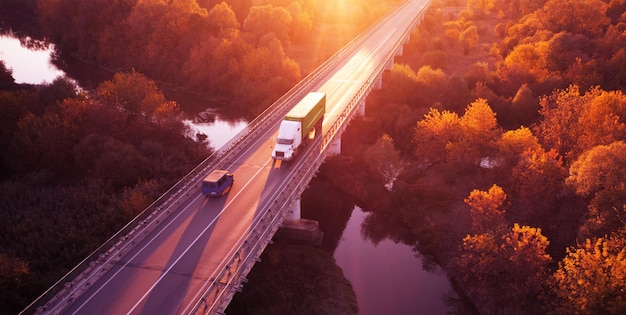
<point>388,277</point>
<point>32,66</point>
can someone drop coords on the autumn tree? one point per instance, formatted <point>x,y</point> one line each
<point>599,174</point>
<point>434,133</point>
<point>559,128</point>
<point>531,58</point>
<point>487,209</point>
<point>301,23</point>
<point>513,143</point>
<point>383,160</point>
<point>537,181</point>
<point>574,123</point>
<point>603,119</point>
<point>577,17</point>
<point>469,38</point>
<point>222,20</point>
<point>266,73</point>
<point>401,84</point>
<point>518,8</point>
<point>478,72</point>
<point>132,92</point>
<point>264,19</point>
<point>507,273</point>
<point>13,279</point>
<point>479,132</point>
<point>431,84</point>
<point>591,279</point>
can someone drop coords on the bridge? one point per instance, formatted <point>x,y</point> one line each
<point>189,254</point>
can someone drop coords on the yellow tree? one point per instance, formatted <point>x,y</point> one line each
<point>434,133</point>
<point>531,58</point>
<point>513,143</point>
<point>487,210</point>
<point>603,119</point>
<point>591,279</point>
<point>506,274</point>
<point>479,133</point>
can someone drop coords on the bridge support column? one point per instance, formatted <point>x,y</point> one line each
<point>295,228</point>
<point>335,147</point>
<point>295,213</point>
<point>378,83</point>
<point>361,109</point>
<point>389,64</point>
<point>400,51</point>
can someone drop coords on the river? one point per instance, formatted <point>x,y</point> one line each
<point>387,277</point>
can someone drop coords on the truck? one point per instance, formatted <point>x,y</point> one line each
<point>300,125</point>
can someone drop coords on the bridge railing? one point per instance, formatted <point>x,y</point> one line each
<point>231,276</point>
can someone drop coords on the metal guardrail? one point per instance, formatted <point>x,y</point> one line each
<point>264,228</point>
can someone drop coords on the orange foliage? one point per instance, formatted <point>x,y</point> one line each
<point>486,210</point>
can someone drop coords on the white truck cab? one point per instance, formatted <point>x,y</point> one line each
<point>288,140</point>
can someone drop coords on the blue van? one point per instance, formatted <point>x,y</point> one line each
<point>216,183</point>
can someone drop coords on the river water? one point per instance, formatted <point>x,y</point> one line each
<point>387,277</point>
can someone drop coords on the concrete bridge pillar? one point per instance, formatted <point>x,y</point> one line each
<point>295,213</point>
<point>335,147</point>
<point>378,82</point>
<point>400,51</point>
<point>294,227</point>
<point>361,108</point>
<point>389,64</point>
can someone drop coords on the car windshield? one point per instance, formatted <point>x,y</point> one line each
<point>284,141</point>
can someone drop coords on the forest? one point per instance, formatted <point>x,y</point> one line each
<point>502,132</point>
<point>496,147</point>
